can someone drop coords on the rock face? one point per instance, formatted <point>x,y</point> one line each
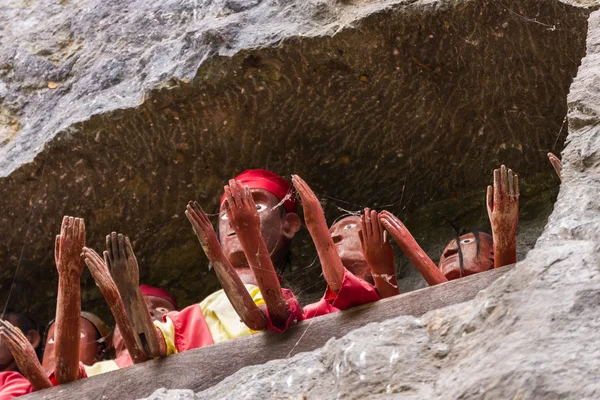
<point>531,335</point>
<point>122,112</point>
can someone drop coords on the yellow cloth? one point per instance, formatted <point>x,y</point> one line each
<point>222,320</point>
<point>168,330</point>
<point>100,367</point>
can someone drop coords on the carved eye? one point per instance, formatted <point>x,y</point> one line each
<point>261,207</point>
<point>467,241</point>
<point>82,335</point>
<point>161,310</point>
<point>349,226</point>
<point>51,340</point>
<point>224,216</point>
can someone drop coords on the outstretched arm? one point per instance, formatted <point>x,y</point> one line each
<point>244,219</point>
<point>557,164</point>
<point>503,210</point>
<point>233,286</point>
<point>411,248</point>
<point>68,306</point>
<point>333,269</point>
<point>109,290</point>
<point>123,267</point>
<point>24,355</point>
<point>379,254</point>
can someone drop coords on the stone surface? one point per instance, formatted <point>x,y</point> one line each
<point>121,112</point>
<point>530,335</point>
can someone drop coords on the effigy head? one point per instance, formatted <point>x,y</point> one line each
<point>159,301</point>
<point>95,341</point>
<point>276,206</point>
<point>469,254</point>
<point>347,243</point>
<point>29,328</point>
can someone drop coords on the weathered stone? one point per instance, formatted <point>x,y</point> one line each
<point>126,110</point>
<point>530,335</point>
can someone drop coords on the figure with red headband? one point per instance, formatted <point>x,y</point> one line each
<point>470,252</point>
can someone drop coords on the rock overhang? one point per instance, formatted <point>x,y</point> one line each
<point>407,105</point>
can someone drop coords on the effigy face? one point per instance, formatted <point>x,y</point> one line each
<point>88,345</point>
<point>476,257</point>
<point>271,228</point>
<point>345,237</point>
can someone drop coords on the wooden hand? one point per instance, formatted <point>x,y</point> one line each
<point>411,248</point>
<point>230,281</point>
<point>557,164</point>
<point>379,254</point>
<point>333,268</point>
<point>245,221</point>
<point>24,355</point>
<point>107,286</point>
<point>68,247</point>
<point>124,269</point>
<point>503,211</point>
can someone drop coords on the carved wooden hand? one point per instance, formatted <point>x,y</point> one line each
<point>244,219</point>
<point>333,268</point>
<point>379,254</point>
<point>69,263</point>
<point>123,267</point>
<point>107,286</point>
<point>411,248</point>
<point>24,355</point>
<point>503,211</point>
<point>557,164</point>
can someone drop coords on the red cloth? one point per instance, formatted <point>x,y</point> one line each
<point>158,292</point>
<point>124,359</point>
<point>191,331</point>
<point>13,384</point>
<point>294,308</point>
<point>54,382</point>
<point>354,292</point>
<point>271,182</point>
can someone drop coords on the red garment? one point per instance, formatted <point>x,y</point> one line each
<point>271,182</point>
<point>54,382</point>
<point>13,384</point>
<point>191,331</point>
<point>124,359</point>
<point>354,292</point>
<point>294,308</point>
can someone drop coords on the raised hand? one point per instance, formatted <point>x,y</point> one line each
<point>124,269</point>
<point>24,355</point>
<point>379,254</point>
<point>333,268</point>
<point>411,248</point>
<point>104,281</point>
<point>69,263</point>
<point>244,219</point>
<point>230,281</point>
<point>68,246</point>
<point>557,164</point>
<point>241,208</point>
<point>503,211</point>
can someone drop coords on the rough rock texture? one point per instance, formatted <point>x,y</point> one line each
<point>531,335</point>
<point>121,112</point>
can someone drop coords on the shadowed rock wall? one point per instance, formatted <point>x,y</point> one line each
<point>124,112</point>
<point>530,335</point>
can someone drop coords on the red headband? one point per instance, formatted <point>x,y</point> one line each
<point>158,292</point>
<point>271,182</point>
